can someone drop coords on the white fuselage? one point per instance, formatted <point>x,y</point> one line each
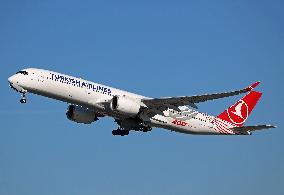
<point>93,95</point>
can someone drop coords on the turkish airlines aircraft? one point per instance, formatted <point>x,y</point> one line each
<point>89,101</point>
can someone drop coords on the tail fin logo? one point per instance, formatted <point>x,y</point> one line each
<point>238,113</point>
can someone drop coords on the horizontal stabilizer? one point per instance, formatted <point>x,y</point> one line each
<point>245,129</point>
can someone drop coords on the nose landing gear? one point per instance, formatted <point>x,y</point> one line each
<point>23,100</point>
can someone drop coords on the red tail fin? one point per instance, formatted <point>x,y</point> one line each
<point>239,112</point>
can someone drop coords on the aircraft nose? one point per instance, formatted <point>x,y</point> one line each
<point>11,79</point>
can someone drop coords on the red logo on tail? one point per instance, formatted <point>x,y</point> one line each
<point>238,113</point>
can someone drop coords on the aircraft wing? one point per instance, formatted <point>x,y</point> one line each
<point>191,100</point>
<point>245,129</point>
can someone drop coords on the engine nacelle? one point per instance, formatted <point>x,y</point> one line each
<point>80,114</point>
<point>125,106</point>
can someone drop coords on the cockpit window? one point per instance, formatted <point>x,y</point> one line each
<point>22,72</point>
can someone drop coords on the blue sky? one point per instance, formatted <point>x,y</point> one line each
<point>154,48</point>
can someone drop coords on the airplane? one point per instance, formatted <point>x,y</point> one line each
<point>88,101</point>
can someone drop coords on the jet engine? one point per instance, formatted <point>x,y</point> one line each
<point>80,114</point>
<point>125,106</point>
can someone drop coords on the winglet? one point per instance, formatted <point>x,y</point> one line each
<point>251,87</point>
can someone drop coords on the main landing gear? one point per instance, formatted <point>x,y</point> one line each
<point>23,100</point>
<point>120,132</point>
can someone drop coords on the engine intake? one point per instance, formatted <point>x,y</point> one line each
<point>125,106</point>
